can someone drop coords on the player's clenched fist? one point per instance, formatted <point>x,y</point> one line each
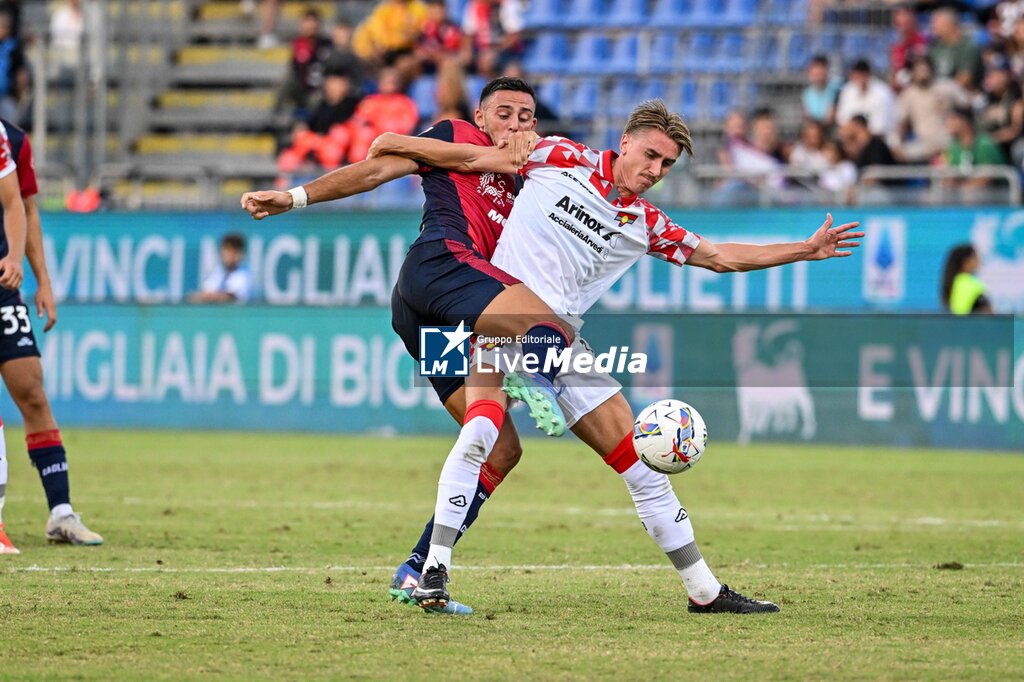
<point>520,145</point>
<point>270,202</point>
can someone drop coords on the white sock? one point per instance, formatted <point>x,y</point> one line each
<point>668,524</point>
<point>457,486</point>
<point>61,510</point>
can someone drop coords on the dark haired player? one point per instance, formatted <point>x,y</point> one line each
<point>19,357</point>
<point>447,278</point>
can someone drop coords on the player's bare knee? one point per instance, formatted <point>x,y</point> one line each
<point>32,401</point>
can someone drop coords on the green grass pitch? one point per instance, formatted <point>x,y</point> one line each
<point>268,556</point>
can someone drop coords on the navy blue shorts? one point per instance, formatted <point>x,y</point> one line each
<point>443,282</point>
<point>16,337</point>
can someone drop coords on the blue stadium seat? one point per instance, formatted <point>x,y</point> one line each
<point>553,93</point>
<point>455,8</point>
<point>547,53</point>
<point>708,13</point>
<point>586,14</point>
<point>722,99</point>
<point>798,52</point>
<point>701,52</point>
<point>474,86</point>
<point>423,91</point>
<point>765,54</point>
<point>751,96</point>
<point>662,58</point>
<point>741,13</point>
<point>687,100</point>
<point>729,57</point>
<point>624,56</point>
<point>584,100</point>
<point>786,12</point>
<point>627,14</point>
<point>624,96</point>
<point>590,54</point>
<point>544,14</point>
<point>653,89</point>
<point>672,13</point>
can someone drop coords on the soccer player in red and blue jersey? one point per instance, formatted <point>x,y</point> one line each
<point>20,366</point>
<point>447,278</point>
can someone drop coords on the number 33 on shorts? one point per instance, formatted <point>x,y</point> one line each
<point>15,319</point>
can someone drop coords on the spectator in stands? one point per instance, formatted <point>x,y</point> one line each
<point>341,60</point>
<point>734,133</point>
<point>1014,49</point>
<point>840,176</point>
<point>269,9</point>
<point>324,135</point>
<point>388,36</point>
<point>66,26</point>
<point>1002,118</point>
<point>954,55</point>
<point>493,31</point>
<point>968,149</point>
<point>962,293</point>
<point>14,79</point>
<point>819,96</point>
<point>910,44</point>
<point>862,146</point>
<point>759,157</point>
<point>388,111</point>
<point>867,96</point>
<point>1004,20</point>
<point>309,50</point>
<point>921,112</point>
<point>441,40</point>
<point>231,281</point>
<point>809,151</point>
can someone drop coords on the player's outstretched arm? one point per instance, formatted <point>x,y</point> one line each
<point>11,268</point>
<point>462,158</point>
<point>341,182</point>
<point>826,242</point>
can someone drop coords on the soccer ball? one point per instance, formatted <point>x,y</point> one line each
<point>669,436</point>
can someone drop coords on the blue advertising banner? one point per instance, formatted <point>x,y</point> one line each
<point>926,380</point>
<point>351,259</point>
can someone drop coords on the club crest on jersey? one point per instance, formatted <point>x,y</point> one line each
<point>623,218</point>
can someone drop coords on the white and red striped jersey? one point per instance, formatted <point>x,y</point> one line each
<point>570,236</point>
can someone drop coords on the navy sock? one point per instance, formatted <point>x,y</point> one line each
<point>540,339</point>
<point>48,456</point>
<point>489,479</point>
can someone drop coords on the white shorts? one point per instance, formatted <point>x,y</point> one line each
<point>580,392</point>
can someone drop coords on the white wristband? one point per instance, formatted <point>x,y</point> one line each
<point>299,197</point>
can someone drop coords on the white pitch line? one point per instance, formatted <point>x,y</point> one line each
<point>539,568</point>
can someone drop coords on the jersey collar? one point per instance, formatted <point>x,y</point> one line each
<point>606,181</point>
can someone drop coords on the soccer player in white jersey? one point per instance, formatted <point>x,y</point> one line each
<point>578,224</point>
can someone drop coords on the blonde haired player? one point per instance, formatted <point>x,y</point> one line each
<point>576,227</point>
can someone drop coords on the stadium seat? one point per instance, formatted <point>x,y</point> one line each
<point>424,92</point>
<point>455,8</point>
<point>707,13</point>
<point>623,56</point>
<point>722,99</point>
<point>627,14</point>
<point>798,52</point>
<point>701,52</point>
<point>729,57</point>
<point>662,59</point>
<point>671,14</point>
<point>765,55</point>
<point>686,100</point>
<point>653,89</point>
<point>590,54</point>
<point>586,14</point>
<point>553,93</point>
<point>547,54</point>
<point>624,96</point>
<point>545,14</point>
<point>785,12</point>
<point>740,13</point>
<point>474,86</point>
<point>584,100</point>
